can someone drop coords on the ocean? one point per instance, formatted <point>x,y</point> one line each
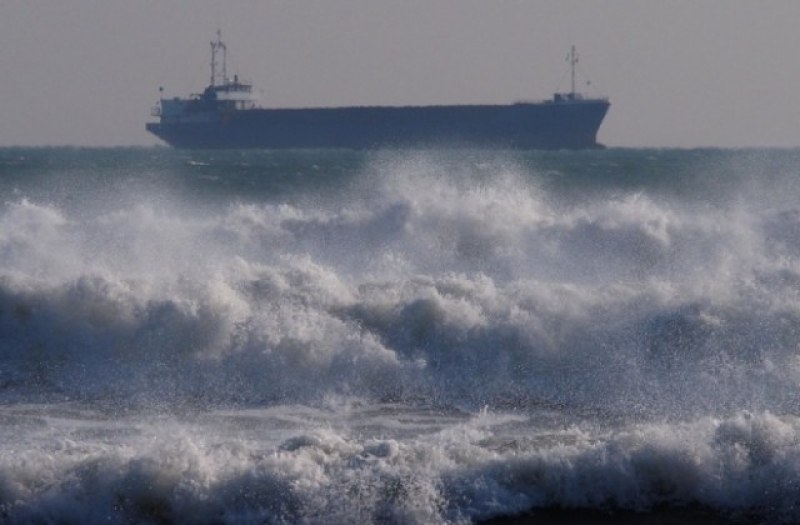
<point>399,337</point>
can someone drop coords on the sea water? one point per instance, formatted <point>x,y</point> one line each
<point>407,337</point>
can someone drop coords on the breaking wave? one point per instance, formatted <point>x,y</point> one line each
<point>595,344</point>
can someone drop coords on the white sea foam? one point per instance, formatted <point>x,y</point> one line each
<point>167,471</point>
<point>629,350</point>
<point>412,290</point>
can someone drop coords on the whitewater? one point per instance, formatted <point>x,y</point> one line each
<point>399,337</point>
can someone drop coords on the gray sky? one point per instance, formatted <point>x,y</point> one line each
<point>679,73</point>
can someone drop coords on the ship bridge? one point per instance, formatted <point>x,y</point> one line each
<point>222,95</point>
<point>231,94</point>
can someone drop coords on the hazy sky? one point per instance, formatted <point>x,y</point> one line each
<point>679,73</point>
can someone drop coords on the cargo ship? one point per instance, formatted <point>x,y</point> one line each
<point>226,115</point>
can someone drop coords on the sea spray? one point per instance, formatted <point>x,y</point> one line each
<point>402,337</point>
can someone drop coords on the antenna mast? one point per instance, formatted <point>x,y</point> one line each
<point>217,46</point>
<point>573,60</point>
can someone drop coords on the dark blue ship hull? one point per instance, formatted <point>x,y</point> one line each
<point>567,124</point>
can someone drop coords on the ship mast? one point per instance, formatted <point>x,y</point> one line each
<point>218,46</point>
<point>573,61</point>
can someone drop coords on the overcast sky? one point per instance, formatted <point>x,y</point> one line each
<point>679,73</point>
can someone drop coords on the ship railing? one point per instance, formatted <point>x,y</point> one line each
<point>155,111</point>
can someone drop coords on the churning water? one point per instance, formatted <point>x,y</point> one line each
<point>399,337</point>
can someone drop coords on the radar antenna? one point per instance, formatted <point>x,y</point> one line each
<point>219,45</point>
